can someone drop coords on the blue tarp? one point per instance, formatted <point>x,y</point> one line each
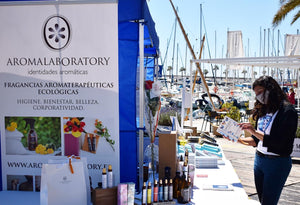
<point>129,12</point>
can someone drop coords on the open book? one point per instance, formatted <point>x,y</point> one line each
<point>230,128</point>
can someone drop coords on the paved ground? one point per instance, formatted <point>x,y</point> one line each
<point>242,159</point>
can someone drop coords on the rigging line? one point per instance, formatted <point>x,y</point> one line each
<point>174,40</point>
<point>212,70</point>
<point>182,64</point>
<point>163,62</point>
<point>168,44</point>
<point>273,44</point>
<point>193,55</point>
<point>282,45</point>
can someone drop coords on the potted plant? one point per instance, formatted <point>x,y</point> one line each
<point>232,111</point>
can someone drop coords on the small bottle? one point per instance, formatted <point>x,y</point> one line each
<point>190,188</point>
<point>181,162</point>
<point>89,143</point>
<point>166,190</point>
<point>104,178</point>
<point>110,183</point>
<point>175,184</point>
<point>155,191</point>
<point>93,138</point>
<point>161,191</point>
<point>185,191</point>
<point>180,192</point>
<point>185,170</point>
<point>144,193</point>
<point>186,155</point>
<point>170,190</point>
<point>149,194</point>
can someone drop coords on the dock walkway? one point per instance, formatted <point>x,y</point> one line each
<point>242,159</point>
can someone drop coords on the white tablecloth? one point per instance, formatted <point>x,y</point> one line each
<point>223,175</point>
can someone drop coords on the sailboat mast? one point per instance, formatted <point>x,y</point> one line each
<point>177,60</point>
<point>200,25</point>
<point>172,78</point>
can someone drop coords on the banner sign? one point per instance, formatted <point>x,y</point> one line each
<point>59,89</point>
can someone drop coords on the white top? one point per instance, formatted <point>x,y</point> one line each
<point>265,125</point>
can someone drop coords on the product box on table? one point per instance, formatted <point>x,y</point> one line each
<point>130,193</point>
<point>122,194</point>
<point>194,133</point>
<point>167,153</point>
<point>105,196</point>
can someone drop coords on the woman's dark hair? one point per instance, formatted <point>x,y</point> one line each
<point>275,99</point>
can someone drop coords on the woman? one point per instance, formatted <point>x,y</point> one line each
<point>291,96</point>
<point>273,135</point>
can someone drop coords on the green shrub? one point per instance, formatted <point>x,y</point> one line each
<point>164,117</point>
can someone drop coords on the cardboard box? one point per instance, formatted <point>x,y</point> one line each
<point>130,193</point>
<point>122,194</point>
<point>167,153</point>
<point>194,133</point>
<point>215,130</point>
<point>105,196</point>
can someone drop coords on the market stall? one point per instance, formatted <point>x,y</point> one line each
<point>98,110</point>
<point>86,105</point>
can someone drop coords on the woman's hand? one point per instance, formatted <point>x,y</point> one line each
<point>248,127</point>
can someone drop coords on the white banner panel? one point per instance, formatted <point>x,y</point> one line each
<point>234,46</point>
<point>59,88</point>
<point>292,45</point>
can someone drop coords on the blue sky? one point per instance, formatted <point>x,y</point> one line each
<point>248,16</point>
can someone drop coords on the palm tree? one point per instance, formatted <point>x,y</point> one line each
<point>254,73</point>
<point>273,72</point>
<point>205,72</point>
<point>182,69</point>
<point>281,73</point>
<point>215,68</point>
<point>244,72</point>
<point>286,7</point>
<point>170,68</point>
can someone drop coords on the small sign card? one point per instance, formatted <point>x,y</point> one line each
<point>230,128</point>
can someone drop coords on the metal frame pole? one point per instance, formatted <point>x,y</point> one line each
<point>141,102</point>
<point>191,96</point>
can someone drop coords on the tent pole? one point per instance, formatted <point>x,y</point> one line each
<point>156,68</point>
<point>141,102</point>
<point>191,91</point>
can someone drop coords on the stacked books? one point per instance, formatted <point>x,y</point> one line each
<point>206,162</point>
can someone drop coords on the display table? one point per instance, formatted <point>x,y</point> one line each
<point>204,177</point>
<point>223,175</point>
